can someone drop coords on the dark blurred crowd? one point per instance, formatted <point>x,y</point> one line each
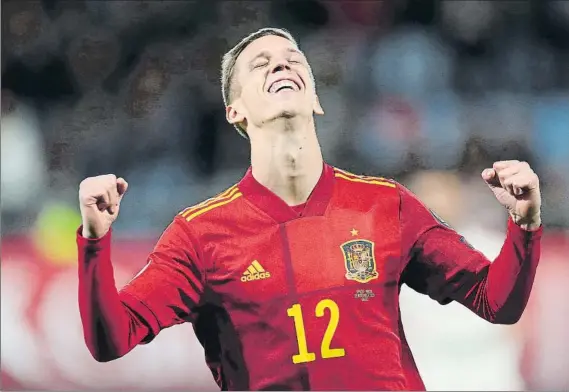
<point>428,92</point>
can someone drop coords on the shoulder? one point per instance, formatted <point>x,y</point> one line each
<point>366,193</point>
<point>346,178</point>
<point>214,205</point>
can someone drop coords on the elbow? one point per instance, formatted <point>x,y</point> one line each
<point>103,359</point>
<point>101,354</point>
<point>507,318</point>
<point>506,321</point>
<point>510,311</point>
<point>105,342</point>
<point>102,348</point>
<point>104,354</point>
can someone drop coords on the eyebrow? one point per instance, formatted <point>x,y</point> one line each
<point>264,54</point>
<point>294,50</point>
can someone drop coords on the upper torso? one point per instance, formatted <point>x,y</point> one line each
<point>309,299</point>
<point>303,301</point>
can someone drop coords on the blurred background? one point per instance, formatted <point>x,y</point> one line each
<point>426,92</point>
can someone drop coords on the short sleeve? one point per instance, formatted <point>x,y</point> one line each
<point>439,262</point>
<point>168,290</point>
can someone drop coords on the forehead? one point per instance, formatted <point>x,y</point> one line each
<point>269,44</point>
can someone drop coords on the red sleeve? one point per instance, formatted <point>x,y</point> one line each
<point>164,293</point>
<point>441,264</point>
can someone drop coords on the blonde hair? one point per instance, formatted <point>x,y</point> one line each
<point>230,58</point>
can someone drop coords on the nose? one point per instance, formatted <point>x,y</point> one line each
<point>281,65</point>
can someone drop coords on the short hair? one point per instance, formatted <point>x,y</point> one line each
<point>230,58</point>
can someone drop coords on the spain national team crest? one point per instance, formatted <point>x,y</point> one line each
<point>359,260</point>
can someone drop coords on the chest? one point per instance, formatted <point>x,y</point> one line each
<point>343,248</point>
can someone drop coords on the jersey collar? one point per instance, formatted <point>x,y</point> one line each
<point>276,208</point>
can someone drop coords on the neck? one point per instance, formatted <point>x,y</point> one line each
<point>286,158</point>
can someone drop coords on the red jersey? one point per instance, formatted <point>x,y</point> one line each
<point>288,298</point>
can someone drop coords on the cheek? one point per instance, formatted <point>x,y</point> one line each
<point>251,94</point>
<point>252,101</point>
<point>310,84</point>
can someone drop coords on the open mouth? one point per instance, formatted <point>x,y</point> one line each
<point>283,85</point>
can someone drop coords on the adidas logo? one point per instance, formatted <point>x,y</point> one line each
<point>255,272</point>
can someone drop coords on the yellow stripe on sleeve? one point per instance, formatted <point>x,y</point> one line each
<point>362,177</point>
<point>226,194</point>
<point>213,206</point>
<point>365,181</point>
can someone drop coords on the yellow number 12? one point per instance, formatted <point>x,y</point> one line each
<point>304,355</point>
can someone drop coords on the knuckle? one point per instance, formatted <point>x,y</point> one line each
<point>108,178</point>
<point>85,182</point>
<point>110,181</point>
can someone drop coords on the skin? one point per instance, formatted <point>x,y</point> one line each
<point>285,153</point>
<point>516,187</point>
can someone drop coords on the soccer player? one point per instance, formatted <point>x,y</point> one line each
<point>291,277</point>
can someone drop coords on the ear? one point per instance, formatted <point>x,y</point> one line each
<point>317,107</point>
<point>233,114</point>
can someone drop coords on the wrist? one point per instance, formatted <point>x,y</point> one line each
<point>528,224</point>
<point>91,234</point>
<point>531,226</point>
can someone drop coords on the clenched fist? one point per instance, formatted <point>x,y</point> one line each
<point>516,186</point>
<point>99,201</point>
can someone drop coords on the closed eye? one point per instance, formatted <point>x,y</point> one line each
<point>260,65</point>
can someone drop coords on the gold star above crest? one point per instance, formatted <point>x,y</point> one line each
<point>354,232</point>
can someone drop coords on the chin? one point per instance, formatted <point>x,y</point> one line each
<point>290,109</point>
<point>287,114</point>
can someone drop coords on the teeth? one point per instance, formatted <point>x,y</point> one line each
<point>281,84</point>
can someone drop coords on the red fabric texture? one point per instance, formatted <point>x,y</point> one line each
<point>246,272</point>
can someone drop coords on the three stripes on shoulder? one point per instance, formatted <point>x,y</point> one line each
<point>339,173</point>
<point>222,199</point>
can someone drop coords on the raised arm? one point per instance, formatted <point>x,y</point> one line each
<point>166,292</point>
<point>444,266</point>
